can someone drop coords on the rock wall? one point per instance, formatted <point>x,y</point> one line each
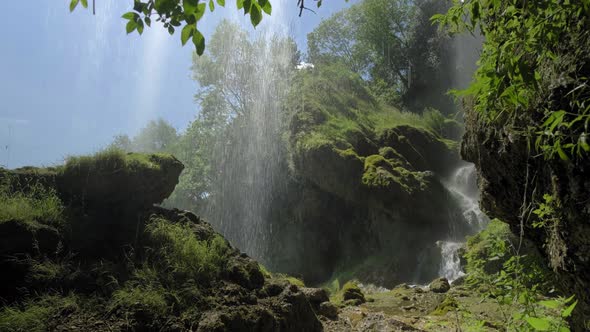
<point>513,181</point>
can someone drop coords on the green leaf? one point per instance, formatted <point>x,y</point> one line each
<point>561,153</point>
<point>129,16</point>
<point>84,3</point>
<point>131,25</point>
<point>199,42</point>
<point>200,11</point>
<point>319,3</point>
<point>539,324</point>
<point>170,30</point>
<point>553,304</point>
<point>221,3</point>
<point>255,14</point>
<point>73,5</point>
<point>140,26</point>
<point>267,8</point>
<point>148,21</point>
<point>240,4</point>
<point>190,6</point>
<point>568,311</point>
<point>247,6</point>
<point>211,5</point>
<point>187,32</point>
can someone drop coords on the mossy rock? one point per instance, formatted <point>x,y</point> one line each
<point>114,177</point>
<point>352,292</point>
<point>440,285</point>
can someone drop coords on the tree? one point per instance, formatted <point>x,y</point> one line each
<point>393,45</point>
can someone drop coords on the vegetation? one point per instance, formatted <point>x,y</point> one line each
<point>35,314</point>
<point>37,205</point>
<point>174,14</point>
<point>181,252</point>
<point>513,274</point>
<point>531,51</point>
<point>405,64</point>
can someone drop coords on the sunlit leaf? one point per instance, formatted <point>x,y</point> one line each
<point>267,8</point>
<point>84,3</point>
<point>190,6</point>
<point>187,33</point>
<point>221,3</point>
<point>568,311</point>
<point>129,15</point>
<point>539,324</point>
<point>131,26</point>
<point>73,5</point>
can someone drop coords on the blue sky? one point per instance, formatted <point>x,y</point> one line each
<point>70,82</point>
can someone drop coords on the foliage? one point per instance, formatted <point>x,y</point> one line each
<point>530,69</point>
<point>111,160</point>
<point>394,46</point>
<point>519,280</point>
<point>37,204</point>
<point>156,136</point>
<point>34,315</point>
<point>181,252</point>
<point>173,14</point>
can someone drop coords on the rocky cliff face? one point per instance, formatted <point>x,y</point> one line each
<point>364,195</point>
<point>82,246</point>
<point>513,181</point>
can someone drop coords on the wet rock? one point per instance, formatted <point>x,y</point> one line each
<point>440,285</point>
<point>328,309</point>
<point>315,296</point>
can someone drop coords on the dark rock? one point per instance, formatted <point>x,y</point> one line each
<point>440,285</point>
<point>245,272</point>
<point>315,296</point>
<point>328,309</point>
<point>459,281</point>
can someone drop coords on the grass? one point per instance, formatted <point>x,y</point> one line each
<point>111,160</point>
<point>34,315</point>
<point>38,204</point>
<point>183,252</point>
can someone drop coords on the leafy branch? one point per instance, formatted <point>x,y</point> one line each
<point>183,15</point>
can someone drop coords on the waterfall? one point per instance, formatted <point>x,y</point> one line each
<point>463,187</point>
<point>250,151</point>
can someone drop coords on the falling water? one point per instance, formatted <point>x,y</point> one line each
<point>251,151</point>
<point>463,186</point>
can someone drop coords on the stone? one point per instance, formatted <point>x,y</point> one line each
<point>440,285</point>
<point>328,309</point>
<point>352,292</point>
<point>315,296</point>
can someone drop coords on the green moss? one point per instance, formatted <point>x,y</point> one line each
<point>113,160</point>
<point>448,304</point>
<point>387,173</point>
